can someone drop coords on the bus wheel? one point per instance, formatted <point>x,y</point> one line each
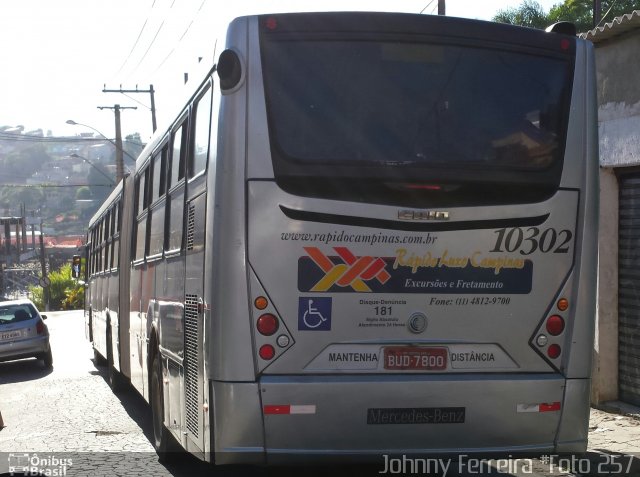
<point>98,360</point>
<point>116,380</point>
<point>166,447</point>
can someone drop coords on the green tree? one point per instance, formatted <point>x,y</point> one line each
<point>64,292</point>
<point>580,12</point>
<point>83,193</point>
<point>529,14</point>
<point>33,197</point>
<point>19,165</point>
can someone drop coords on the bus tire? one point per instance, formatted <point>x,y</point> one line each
<point>90,327</point>
<point>116,380</point>
<point>98,359</point>
<point>163,442</point>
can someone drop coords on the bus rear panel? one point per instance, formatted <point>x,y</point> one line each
<point>420,242</point>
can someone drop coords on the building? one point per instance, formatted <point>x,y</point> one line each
<point>616,372</point>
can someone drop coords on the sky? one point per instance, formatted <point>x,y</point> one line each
<point>56,57</point>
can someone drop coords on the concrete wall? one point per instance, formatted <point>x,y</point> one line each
<point>618,76</point>
<point>618,70</point>
<point>604,384</point>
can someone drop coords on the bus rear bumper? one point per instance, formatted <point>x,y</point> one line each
<point>305,419</point>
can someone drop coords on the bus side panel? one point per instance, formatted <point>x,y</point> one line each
<point>237,420</point>
<point>112,309</point>
<point>135,320</point>
<point>148,286</point>
<point>98,316</point>
<point>228,323</point>
<point>584,137</point>
<point>126,221</point>
<point>574,423</point>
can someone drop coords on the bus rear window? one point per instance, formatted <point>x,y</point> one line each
<point>432,113</point>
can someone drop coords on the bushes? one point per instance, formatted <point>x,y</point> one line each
<point>64,292</point>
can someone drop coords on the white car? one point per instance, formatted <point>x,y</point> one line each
<point>23,333</point>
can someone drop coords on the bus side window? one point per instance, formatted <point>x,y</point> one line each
<point>157,210</point>
<point>106,242</point>
<point>140,189</point>
<point>175,206</point>
<point>159,173</point>
<point>201,128</point>
<point>142,194</point>
<point>176,218</point>
<point>178,143</point>
<point>148,179</point>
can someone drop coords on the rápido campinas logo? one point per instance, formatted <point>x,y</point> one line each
<point>38,465</point>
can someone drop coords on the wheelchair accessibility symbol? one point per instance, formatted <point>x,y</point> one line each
<point>314,313</point>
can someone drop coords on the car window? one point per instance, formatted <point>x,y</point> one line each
<point>16,313</point>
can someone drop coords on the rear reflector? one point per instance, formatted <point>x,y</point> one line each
<point>267,352</point>
<point>261,303</point>
<point>541,407</point>
<point>563,304</point>
<point>550,406</point>
<point>290,409</point>
<point>554,351</point>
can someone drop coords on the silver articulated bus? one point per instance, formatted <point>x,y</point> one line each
<point>362,234</point>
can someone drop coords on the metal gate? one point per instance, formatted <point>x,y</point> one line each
<point>629,289</point>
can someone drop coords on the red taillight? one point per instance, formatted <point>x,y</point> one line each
<point>40,327</point>
<point>271,23</point>
<point>555,325</point>
<point>267,324</point>
<point>554,351</point>
<point>267,352</point>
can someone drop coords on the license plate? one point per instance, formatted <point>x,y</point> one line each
<point>415,358</point>
<point>9,335</point>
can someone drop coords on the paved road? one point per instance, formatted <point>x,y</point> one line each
<point>70,413</point>
<point>68,421</point>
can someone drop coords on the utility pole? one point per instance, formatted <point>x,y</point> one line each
<point>151,92</point>
<point>597,12</point>
<point>44,281</point>
<point>441,7</point>
<point>119,151</point>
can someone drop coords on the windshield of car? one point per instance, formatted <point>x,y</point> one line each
<point>16,312</point>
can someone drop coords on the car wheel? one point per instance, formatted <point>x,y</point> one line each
<point>47,359</point>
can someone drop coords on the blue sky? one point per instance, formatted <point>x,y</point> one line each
<point>57,56</point>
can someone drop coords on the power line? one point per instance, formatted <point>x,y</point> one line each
<point>135,44</point>
<point>147,51</point>
<point>426,6</point>
<point>181,37</point>
<point>26,138</point>
<point>135,100</point>
<point>133,47</point>
<point>613,4</point>
<point>155,37</point>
